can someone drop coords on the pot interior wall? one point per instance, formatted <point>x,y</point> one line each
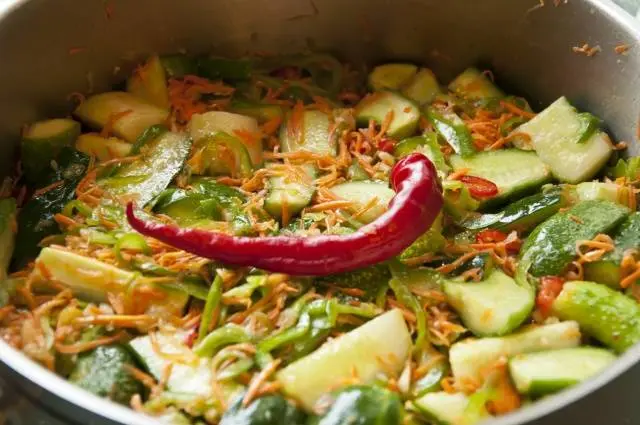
<point>529,48</point>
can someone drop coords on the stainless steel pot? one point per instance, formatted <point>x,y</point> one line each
<point>528,47</point>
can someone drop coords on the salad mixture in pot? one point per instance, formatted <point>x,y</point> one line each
<point>294,240</point>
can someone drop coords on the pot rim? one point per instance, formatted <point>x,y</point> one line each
<point>69,392</point>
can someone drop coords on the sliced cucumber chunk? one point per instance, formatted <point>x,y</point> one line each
<point>552,245</point>
<point>149,82</point>
<point>547,372</point>
<point>363,194</point>
<point>242,127</point>
<point>494,306</point>
<point>453,130</point>
<point>92,280</point>
<point>41,144</point>
<point>556,134</point>
<point>221,153</point>
<point>606,314</point>
<point>103,148</point>
<point>151,174</point>
<point>308,131</point>
<point>127,115</point>
<point>589,191</point>
<point>607,270</point>
<point>191,377</point>
<point>469,357</point>
<point>391,76</point>
<point>423,87</point>
<point>473,84</point>
<point>514,171</point>
<point>290,193</point>
<point>443,408</point>
<point>521,215</point>
<point>386,337</point>
<point>377,106</point>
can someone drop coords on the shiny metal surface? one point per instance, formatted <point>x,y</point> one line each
<point>528,48</point>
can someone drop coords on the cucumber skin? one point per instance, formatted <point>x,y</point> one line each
<point>508,188</point>
<point>608,315</point>
<point>551,246</point>
<point>547,384</point>
<point>607,270</point>
<point>37,153</point>
<point>521,215</point>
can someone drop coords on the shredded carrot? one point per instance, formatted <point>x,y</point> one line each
<point>77,50</point>
<point>622,48</point>
<point>80,347</point>
<point>586,50</point>
<point>48,188</point>
<point>515,110</point>
<point>258,380</point>
<point>146,379</point>
<point>270,127</point>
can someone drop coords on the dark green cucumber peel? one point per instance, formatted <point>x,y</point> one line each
<point>552,245</point>
<point>626,237</point>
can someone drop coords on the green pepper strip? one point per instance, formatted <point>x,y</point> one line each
<point>229,334</point>
<point>79,206</point>
<point>130,241</point>
<point>404,295</point>
<point>213,300</point>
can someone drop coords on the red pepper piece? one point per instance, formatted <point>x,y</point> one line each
<point>478,187</point>
<point>411,212</point>
<point>493,236</point>
<point>550,288</point>
<point>386,145</point>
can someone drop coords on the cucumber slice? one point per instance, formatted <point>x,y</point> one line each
<point>221,153</point>
<point>263,112</point>
<point>453,130</point>
<point>362,194</point>
<point>606,314</point>
<point>308,131</point>
<point>470,357</point>
<point>41,143</point>
<point>291,191</point>
<point>242,127</point>
<point>556,135</point>
<point>92,280</point>
<point>111,108</point>
<point>191,377</point>
<point>391,76</point>
<point>589,191</point>
<point>514,171</point>
<point>103,148</point>
<point>423,87</point>
<point>360,351</point>
<point>152,173</point>
<point>473,84</point>
<point>493,307</point>
<point>547,372</point>
<point>607,270</point>
<point>443,408</point>
<point>376,106</point>
<point>552,245</point>
<point>521,215</point>
<point>149,82</point>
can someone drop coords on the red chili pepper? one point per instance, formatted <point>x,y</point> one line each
<point>550,288</point>
<point>411,212</point>
<point>492,236</point>
<point>478,187</point>
<point>386,145</point>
